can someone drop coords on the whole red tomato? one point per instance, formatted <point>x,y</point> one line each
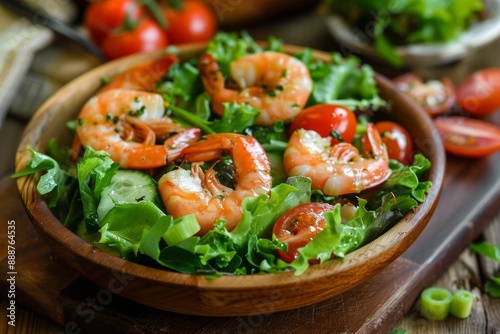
<point>145,37</point>
<point>189,22</point>
<point>479,93</point>
<point>327,120</point>
<point>101,18</point>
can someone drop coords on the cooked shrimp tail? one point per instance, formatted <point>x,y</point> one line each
<point>144,76</point>
<point>200,193</point>
<point>340,169</point>
<point>128,124</point>
<point>276,84</point>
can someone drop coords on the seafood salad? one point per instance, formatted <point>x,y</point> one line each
<point>242,160</point>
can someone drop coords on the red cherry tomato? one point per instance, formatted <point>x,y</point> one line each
<point>435,96</point>
<point>147,36</point>
<point>479,93</point>
<point>193,22</point>
<point>102,17</point>
<point>327,120</point>
<point>468,137</point>
<point>298,226</point>
<point>397,140</point>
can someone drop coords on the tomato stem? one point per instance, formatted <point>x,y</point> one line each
<point>176,4</point>
<point>129,24</point>
<point>155,10</point>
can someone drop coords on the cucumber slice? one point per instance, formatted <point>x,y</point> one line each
<point>128,186</point>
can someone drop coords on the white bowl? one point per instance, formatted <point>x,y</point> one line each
<point>479,34</point>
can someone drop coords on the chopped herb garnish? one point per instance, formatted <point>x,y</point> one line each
<point>138,112</point>
<point>105,80</point>
<point>112,118</point>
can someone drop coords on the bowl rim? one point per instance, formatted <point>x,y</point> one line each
<point>44,220</point>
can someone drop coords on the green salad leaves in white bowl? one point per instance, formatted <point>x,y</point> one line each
<point>413,32</point>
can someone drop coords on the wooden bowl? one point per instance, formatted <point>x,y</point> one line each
<point>228,295</point>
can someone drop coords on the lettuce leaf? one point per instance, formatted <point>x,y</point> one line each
<point>125,223</point>
<point>227,47</point>
<point>492,286</point>
<point>342,81</point>
<point>94,172</point>
<point>404,185</point>
<point>51,182</point>
<point>183,81</point>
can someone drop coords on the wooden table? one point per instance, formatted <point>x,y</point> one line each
<point>465,270</point>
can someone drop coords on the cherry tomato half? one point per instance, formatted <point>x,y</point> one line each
<point>327,120</point>
<point>479,93</point>
<point>468,137</point>
<point>435,96</point>
<point>298,226</point>
<point>397,140</point>
<point>102,17</point>
<point>193,22</point>
<point>145,37</point>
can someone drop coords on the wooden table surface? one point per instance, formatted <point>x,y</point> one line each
<point>468,271</point>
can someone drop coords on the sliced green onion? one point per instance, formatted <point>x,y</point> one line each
<point>461,304</point>
<point>182,228</point>
<point>435,303</point>
<point>191,118</point>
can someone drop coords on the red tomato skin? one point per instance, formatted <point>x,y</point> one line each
<point>146,37</point>
<point>409,81</point>
<point>325,118</point>
<point>298,226</point>
<point>195,22</point>
<point>101,18</point>
<point>468,137</point>
<point>479,93</point>
<point>397,140</point>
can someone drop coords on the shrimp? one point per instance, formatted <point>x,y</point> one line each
<point>200,193</point>
<point>127,124</point>
<point>275,83</point>
<point>143,76</point>
<point>336,170</point>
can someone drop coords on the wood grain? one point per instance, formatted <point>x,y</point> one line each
<point>469,272</point>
